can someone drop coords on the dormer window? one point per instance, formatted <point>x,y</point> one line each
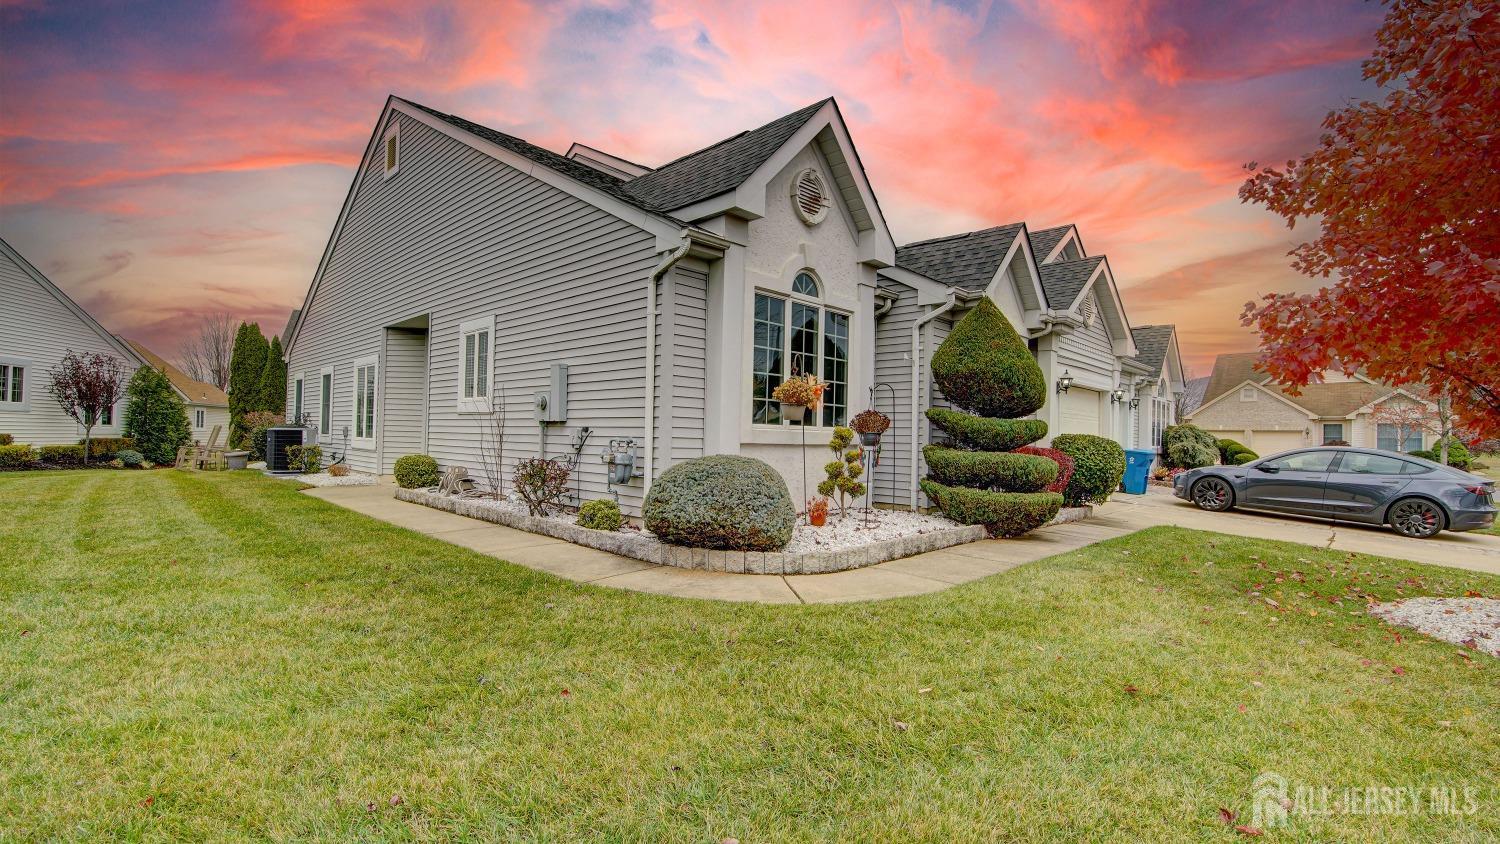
<point>810,197</point>
<point>392,149</point>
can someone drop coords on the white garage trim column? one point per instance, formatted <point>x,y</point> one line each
<point>1046,358</point>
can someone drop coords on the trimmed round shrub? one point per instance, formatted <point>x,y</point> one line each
<point>724,501</point>
<point>1188,447</point>
<point>600,514</point>
<point>1001,513</point>
<point>1098,466</point>
<point>983,434</point>
<point>984,366</point>
<point>414,471</point>
<point>17,456</point>
<point>1003,470</point>
<point>1243,457</point>
<point>130,457</point>
<point>62,455</point>
<point>1064,466</point>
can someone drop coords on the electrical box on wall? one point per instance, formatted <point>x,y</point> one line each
<point>552,403</point>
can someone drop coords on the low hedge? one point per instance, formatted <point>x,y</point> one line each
<point>1243,457</point>
<point>1230,450</point>
<point>6,439</point>
<point>1003,470</point>
<point>62,455</point>
<point>723,501</point>
<point>600,514</point>
<point>416,471</point>
<point>1098,467</point>
<point>1064,466</point>
<point>17,456</point>
<point>1189,447</point>
<point>105,449</point>
<point>1458,454</point>
<point>1001,513</point>
<point>984,433</point>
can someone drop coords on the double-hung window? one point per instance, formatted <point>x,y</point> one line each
<point>365,379</point>
<point>13,384</point>
<point>1332,432</point>
<point>297,400</point>
<point>325,401</point>
<point>1388,438</point>
<point>476,345</point>
<point>798,335</point>
<point>198,418</point>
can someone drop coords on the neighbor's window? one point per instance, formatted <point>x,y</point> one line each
<point>798,335</point>
<point>105,418</point>
<point>364,401</point>
<point>1333,432</point>
<point>198,416</point>
<point>12,383</point>
<point>1387,438</point>
<point>392,149</point>
<point>1247,394</point>
<point>325,401</point>
<point>476,345</point>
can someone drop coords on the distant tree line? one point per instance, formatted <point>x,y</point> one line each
<point>257,378</point>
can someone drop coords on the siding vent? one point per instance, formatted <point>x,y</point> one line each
<point>392,147</point>
<point>810,197</point>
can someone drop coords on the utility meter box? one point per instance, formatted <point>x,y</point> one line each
<point>552,403</point>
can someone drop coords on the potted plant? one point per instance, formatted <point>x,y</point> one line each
<point>870,424</point>
<point>799,394</point>
<point>817,511</point>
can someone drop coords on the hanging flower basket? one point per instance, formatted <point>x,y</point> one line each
<point>870,424</point>
<point>797,395</point>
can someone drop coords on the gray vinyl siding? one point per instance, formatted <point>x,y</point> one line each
<point>457,235</point>
<point>892,477</point>
<point>689,350</point>
<point>36,330</point>
<point>1089,349</point>
<point>404,399</point>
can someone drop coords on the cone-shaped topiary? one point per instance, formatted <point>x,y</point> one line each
<point>985,367</point>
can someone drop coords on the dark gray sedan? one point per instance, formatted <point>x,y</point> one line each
<point>1416,497</point>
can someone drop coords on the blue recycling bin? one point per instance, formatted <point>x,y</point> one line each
<point>1137,468</point>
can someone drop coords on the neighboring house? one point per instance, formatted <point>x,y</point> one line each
<point>1192,396</point>
<point>467,263</point>
<point>207,405</point>
<point>38,325</point>
<point>1244,404</point>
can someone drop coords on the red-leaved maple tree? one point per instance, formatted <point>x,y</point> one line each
<point>1407,191</point>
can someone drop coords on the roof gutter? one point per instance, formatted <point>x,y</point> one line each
<point>916,371</point>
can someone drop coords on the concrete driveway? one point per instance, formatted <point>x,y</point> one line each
<point>1475,551</point>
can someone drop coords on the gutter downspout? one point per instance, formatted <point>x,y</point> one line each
<point>916,394</point>
<point>668,261</point>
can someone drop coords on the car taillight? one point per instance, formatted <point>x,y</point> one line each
<point>1479,489</point>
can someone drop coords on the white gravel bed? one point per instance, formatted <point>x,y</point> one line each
<point>841,534</point>
<point>1467,622</point>
<point>325,479</point>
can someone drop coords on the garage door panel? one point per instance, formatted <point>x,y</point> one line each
<point>1079,412</point>
<point>1266,443</point>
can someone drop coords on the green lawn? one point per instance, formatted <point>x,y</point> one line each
<point>210,656</point>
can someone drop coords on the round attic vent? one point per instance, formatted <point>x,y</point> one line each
<point>810,197</point>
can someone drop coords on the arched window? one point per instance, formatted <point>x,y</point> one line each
<point>798,335</point>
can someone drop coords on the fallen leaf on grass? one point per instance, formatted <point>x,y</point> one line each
<point>1470,593</point>
<point>1398,671</point>
<point>1226,816</point>
<point>1251,831</point>
<point>149,801</point>
<point>1366,663</point>
<point>1131,690</point>
<point>566,693</point>
<point>924,691</point>
<point>901,725</point>
<point>396,800</point>
<point>1242,708</point>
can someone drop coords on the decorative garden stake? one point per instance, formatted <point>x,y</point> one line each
<point>798,395</point>
<point>870,424</point>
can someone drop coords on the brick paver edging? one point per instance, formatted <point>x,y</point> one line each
<point>650,550</point>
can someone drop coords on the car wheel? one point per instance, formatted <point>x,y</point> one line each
<point>1416,517</point>
<point>1213,494</point>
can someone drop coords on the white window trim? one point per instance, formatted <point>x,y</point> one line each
<point>299,396</point>
<point>356,441</point>
<point>476,404</point>
<point>823,306</point>
<point>200,418</point>
<point>28,375</point>
<point>392,132</point>
<point>325,422</point>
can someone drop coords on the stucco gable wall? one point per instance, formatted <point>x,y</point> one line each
<point>1265,413</point>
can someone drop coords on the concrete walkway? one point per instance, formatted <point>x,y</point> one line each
<point>917,575</point>
<point>923,573</point>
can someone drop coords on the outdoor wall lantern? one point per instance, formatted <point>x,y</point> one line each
<point>1064,382</point>
<point>1117,396</point>
<point>1135,402</point>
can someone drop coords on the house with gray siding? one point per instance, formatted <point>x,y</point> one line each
<point>39,324</point>
<point>582,303</point>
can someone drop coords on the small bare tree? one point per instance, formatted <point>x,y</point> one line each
<point>492,444</point>
<point>1407,417</point>
<point>205,355</point>
<point>87,386</point>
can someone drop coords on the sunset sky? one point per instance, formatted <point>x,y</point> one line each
<point>162,160</point>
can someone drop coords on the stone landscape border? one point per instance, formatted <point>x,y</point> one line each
<point>640,547</point>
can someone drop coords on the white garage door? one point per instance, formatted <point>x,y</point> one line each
<point>1079,412</point>
<point>1267,443</point>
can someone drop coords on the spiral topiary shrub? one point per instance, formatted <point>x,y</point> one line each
<point>600,514</point>
<point>1002,513</point>
<point>985,367</point>
<point>1064,466</point>
<point>989,469</point>
<point>1098,466</point>
<point>723,501</point>
<point>1188,447</point>
<point>983,434</point>
<point>414,471</point>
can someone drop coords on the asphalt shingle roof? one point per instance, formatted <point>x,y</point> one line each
<point>719,168</point>
<point>1151,342</point>
<point>197,392</point>
<point>1044,241</point>
<point>1062,280</point>
<point>968,260</point>
<point>1334,399</point>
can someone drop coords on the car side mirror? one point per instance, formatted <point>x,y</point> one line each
<point>1270,470</point>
